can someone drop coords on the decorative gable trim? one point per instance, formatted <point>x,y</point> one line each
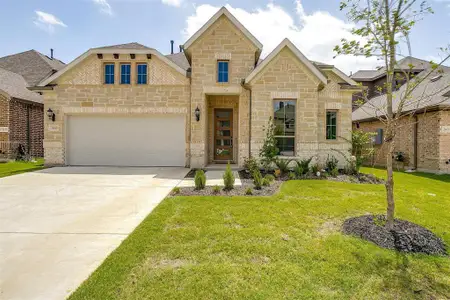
<point>286,43</point>
<point>222,12</point>
<point>117,51</point>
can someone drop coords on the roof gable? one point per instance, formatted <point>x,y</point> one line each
<point>223,12</point>
<point>286,43</point>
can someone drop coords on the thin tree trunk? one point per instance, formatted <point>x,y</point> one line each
<point>390,178</point>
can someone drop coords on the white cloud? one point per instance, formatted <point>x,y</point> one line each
<point>47,22</point>
<point>104,7</point>
<point>314,34</point>
<point>176,3</point>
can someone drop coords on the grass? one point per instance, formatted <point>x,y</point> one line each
<point>287,246</point>
<point>18,167</point>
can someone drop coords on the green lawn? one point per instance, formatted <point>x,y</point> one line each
<point>17,167</point>
<point>283,247</point>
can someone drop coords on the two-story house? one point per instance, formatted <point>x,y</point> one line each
<point>129,105</point>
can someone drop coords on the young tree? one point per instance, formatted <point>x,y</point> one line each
<point>382,25</point>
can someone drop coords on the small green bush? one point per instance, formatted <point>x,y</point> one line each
<point>304,163</point>
<point>315,168</point>
<point>266,182</point>
<point>200,180</point>
<point>249,191</point>
<point>298,170</point>
<point>331,163</point>
<point>251,165</point>
<point>176,190</point>
<point>334,172</point>
<point>257,179</point>
<point>292,176</point>
<point>228,178</point>
<point>282,164</point>
<point>270,178</point>
<point>216,189</point>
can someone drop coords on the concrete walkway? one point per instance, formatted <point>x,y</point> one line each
<point>213,177</point>
<point>59,224</point>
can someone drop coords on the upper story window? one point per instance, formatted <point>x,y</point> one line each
<point>109,73</point>
<point>222,71</point>
<point>141,73</point>
<point>284,121</point>
<point>331,125</point>
<point>125,73</point>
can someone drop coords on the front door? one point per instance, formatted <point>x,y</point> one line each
<point>223,134</point>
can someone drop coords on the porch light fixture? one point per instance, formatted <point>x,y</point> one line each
<point>197,114</point>
<point>51,115</point>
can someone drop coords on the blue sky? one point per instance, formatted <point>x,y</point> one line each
<point>73,26</point>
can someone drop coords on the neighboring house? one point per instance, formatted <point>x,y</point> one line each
<point>375,80</point>
<point>130,105</point>
<point>22,110</point>
<point>423,137</point>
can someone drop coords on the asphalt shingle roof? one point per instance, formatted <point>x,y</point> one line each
<point>31,65</point>
<point>433,91</point>
<point>133,45</point>
<point>180,60</point>
<point>16,87</point>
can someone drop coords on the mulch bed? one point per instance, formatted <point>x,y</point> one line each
<point>406,236</point>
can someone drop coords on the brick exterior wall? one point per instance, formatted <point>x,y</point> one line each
<point>4,118</point>
<point>81,91</point>
<point>433,142</point>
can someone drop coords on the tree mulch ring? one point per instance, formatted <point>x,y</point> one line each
<point>405,237</point>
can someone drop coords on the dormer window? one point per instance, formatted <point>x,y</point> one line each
<point>125,74</point>
<point>222,71</point>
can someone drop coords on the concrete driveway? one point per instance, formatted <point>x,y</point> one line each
<point>59,224</point>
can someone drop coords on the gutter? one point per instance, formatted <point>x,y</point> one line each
<point>250,118</point>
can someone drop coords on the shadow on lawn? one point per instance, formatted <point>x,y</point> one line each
<point>442,177</point>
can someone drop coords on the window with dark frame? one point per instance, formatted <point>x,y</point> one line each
<point>331,126</point>
<point>109,73</point>
<point>284,121</point>
<point>125,73</point>
<point>222,71</point>
<point>141,73</point>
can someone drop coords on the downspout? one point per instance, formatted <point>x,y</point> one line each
<point>28,130</point>
<point>249,117</point>
<point>416,142</point>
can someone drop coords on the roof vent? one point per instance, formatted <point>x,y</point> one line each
<point>51,53</point>
<point>436,78</point>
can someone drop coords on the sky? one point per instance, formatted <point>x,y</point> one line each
<point>71,27</point>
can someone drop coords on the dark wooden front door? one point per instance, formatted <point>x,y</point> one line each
<point>223,134</point>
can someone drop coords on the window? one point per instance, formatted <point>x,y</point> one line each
<point>142,74</point>
<point>331,125</point>
<point>284,121</point>
<point>222,71</point>
<point>109,74</point>
<point>125,73</point>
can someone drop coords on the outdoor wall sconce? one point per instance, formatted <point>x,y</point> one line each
<point>197,114</point>
<point>51,115</point>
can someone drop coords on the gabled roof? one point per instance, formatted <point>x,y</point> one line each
<point>32,65</point>
<point>223,12</point>
<point>432,92</point>
<point>405,63</point>
<point>131,48</point>
<point>287,43</point>
<point>15,86</point>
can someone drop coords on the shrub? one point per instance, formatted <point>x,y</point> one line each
<point>334,172</point>
<point>269,148</point>
<point>304,163</point>
<point>257,179</point>
<point>249,191</point>
<point>200,180</point>
<point>291,175</point>
<point>362,147</point>
<point>216,189</point>
<point>251,165</point>
<point>282,164</point>
<point>315,168</point>
<point>269,177</point>
<point>331,163</point>
<point>298,170</point>
<point>176,190</point>
<point>266,182</point>
<point>228,178</point>
<point>277,173</point>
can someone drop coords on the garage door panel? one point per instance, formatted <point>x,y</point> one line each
<point>126,141</point>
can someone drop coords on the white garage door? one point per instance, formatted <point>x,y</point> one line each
<point>125,141</point>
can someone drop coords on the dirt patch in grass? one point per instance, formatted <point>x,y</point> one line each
<point>406,236</point>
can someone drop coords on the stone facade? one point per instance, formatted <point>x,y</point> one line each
<point>21,123</point>
<point>433,142</point>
